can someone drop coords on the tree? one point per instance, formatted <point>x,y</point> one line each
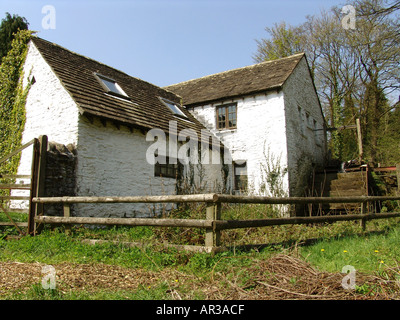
<point>285,41</point>
<point>387,7</point>
<point>332,66</point>
<point>354,70</point>
<point>376,44</point>
<point>9,26</point>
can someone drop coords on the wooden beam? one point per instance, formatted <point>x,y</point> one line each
<point>34,174</point>
<point>26,145</point>
<point>18,224</point>
<point>398,177</point>
<point>14,198</point>
<point>15,176</point>
<point>213,236</point>
<point>192,248</point>
<point>340,128</point>
<point>17,210</point>
<point>13,223</point>
<point>238,224</point>
<point>38,182</point>
<point>384,169</point>
<point>67,214</point>
<point>41,178</point>
<point>359,140</point>
<point>188,223</point>
<point>16,186</point>
<point>299,200</point>
<point>133,199</point>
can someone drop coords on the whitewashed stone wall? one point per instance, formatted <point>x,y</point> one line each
<point>50,111</point>
<point>279,130</point>
<point>258,138</point>
<point>275,128</point>
<point>112,162</point>
<point>306,140</point>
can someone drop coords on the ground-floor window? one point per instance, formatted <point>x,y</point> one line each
<point>240,171</point>
<point>166,167</point>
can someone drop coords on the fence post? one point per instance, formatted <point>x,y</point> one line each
<point>364,209</point>
<point>398,177</point>
<point>40,180</point>
<point>33,191</point>
<point>213,236</point>
<point>67,214</point>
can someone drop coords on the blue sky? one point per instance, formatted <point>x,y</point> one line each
<point>164,41</point>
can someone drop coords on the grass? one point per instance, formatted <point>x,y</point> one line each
<point>367,253</point>
<point>36,292</point>
<point>332,247</point>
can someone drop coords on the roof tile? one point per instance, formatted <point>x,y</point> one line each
<point>144,111</point>
<point>237,82</point>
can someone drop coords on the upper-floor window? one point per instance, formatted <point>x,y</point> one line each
<point>111,86</point>
<point>227,116</point>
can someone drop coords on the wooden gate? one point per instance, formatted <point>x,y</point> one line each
<point>35,187</point>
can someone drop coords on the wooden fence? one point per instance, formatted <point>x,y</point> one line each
<point>35,186</point>
<point>212,222</point>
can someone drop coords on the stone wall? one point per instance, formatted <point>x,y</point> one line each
<point>60,174</point>
<point>112,159</point>
<point>258,138</point>
<point>50,111</point>
<point>112,162</point>
<point>305,128</point>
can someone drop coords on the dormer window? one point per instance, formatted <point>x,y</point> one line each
<point>174,107</point>
<point>111,86</point>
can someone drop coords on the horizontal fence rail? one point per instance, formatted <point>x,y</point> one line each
<point>189,223</point>
<point>14,186</point>
<point>213,224</point>
<point>135,199</point>
<point>215,198</point>
<point>33,188</point>
<point>300,200</point>
<point>237,224</point>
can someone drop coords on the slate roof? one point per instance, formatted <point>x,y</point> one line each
<point>252,79</point>
<point>144,111</point>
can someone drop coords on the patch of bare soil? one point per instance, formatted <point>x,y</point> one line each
<point>16,276</point>
<point>281,277</point>
<point>284,277</point>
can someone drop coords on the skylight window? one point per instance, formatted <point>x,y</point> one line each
<point>174,108</point>
<point>111,86</point>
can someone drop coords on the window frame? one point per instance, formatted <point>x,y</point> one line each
<point>176,106</point>
<point>120,94</point>
<point>237,179</point>
<point>168,167</point>
<point>226,106</point>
